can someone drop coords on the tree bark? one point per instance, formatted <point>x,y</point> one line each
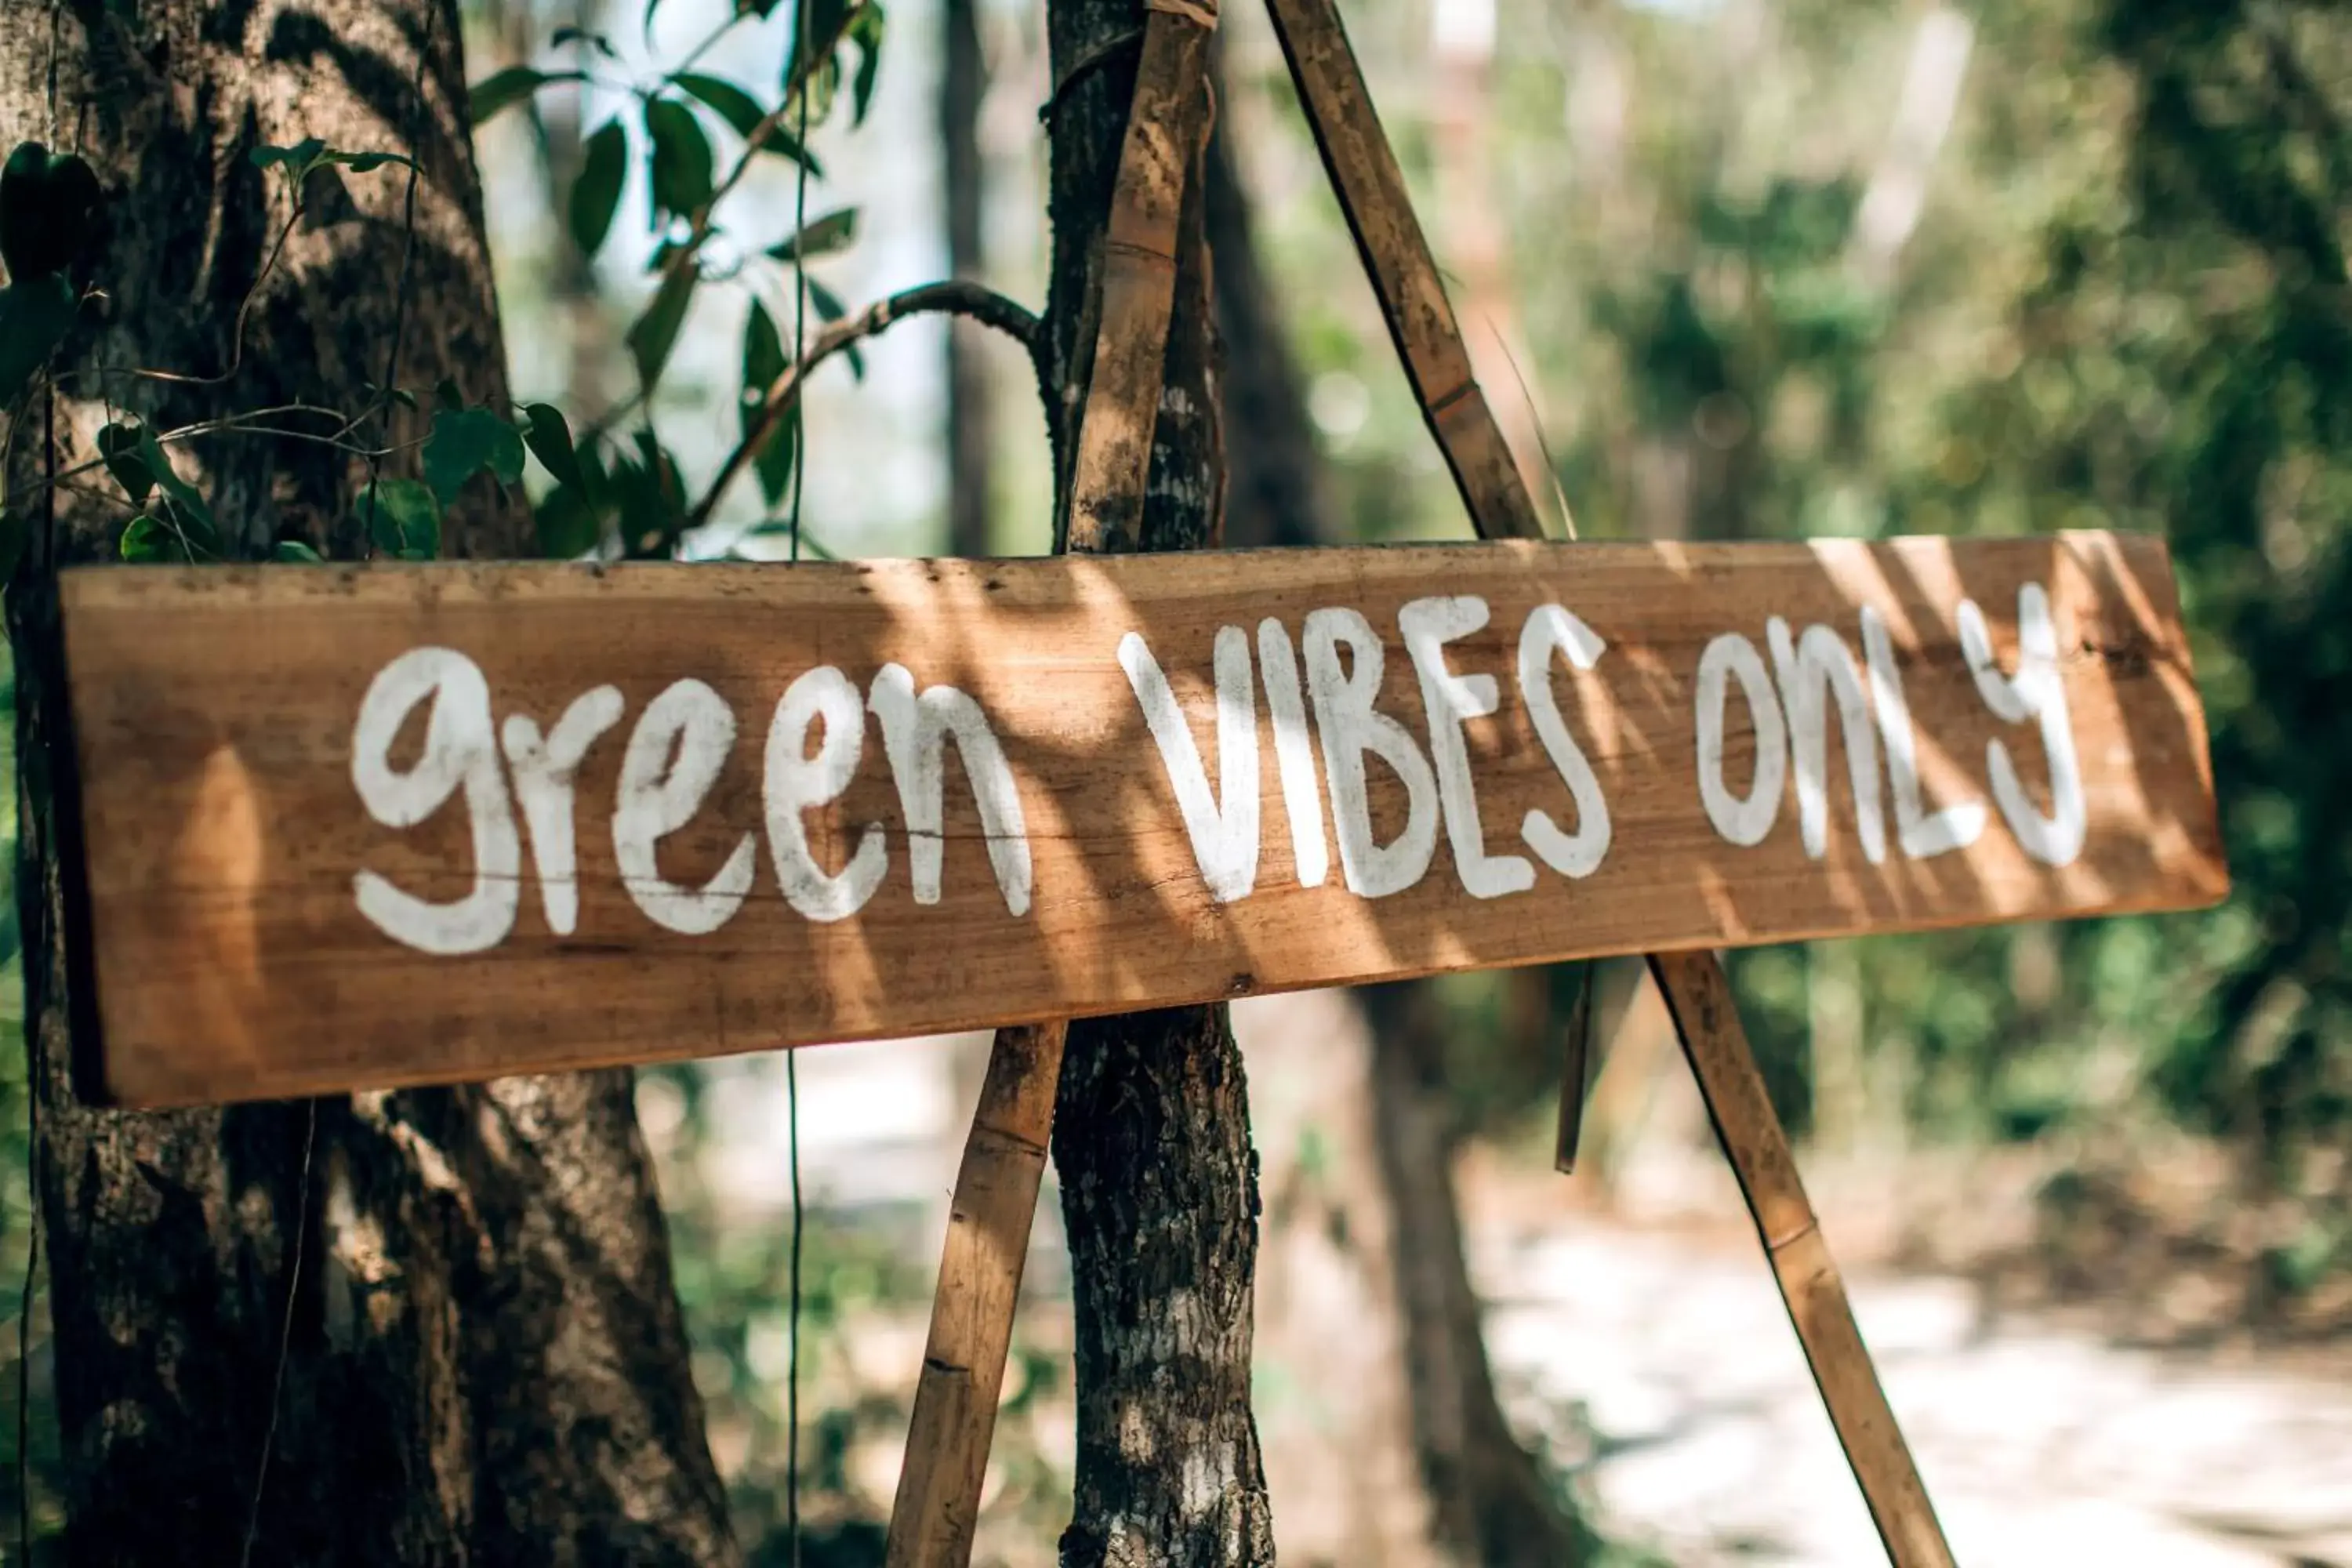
<point>963,83</point>
<point>446,1316</point>
<point>1392,1450</point>
<point>1151,1127</point>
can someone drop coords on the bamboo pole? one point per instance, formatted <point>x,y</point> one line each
<point>1370,187</point>
<point>1699,993</point>
<point>1139,277</point>
<point>937,1504</point>
<point>1396,255</point>
<point>937,1508</point>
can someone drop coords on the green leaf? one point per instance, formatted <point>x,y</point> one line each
<point>596,194</point>
<point>865,35</point>
<point>773,464</point>
<point>566,525</point>
<point>49,207</point>
<point>404,515</point>
<point>120,446</point>
<point>294,553</point>
<point>465,442</point>
<point>296,160</point>
<point>763,362</point>
<point>729,103</point>
<point>183,507</point>
<point>822,85</point>
<point>367,162</point>
<point>308,154</point>
<point>822,237</point>
<point>764,355</point>
<point>811,65</point>
<point>683,168</point>
<point>652,501</point>
<point>743,114</point>
<point>830,308</point>
<point>510,87</point>
<point>36,315</point>
<point>147,541</point>
<point>656,332</point>
<point>446,395</point>
<point>550,440</point>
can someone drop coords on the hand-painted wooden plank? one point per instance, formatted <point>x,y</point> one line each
<point>401,825</point>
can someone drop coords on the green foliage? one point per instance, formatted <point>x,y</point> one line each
<point>655,334</point>
<point>683,167</point>
<point>596,194</point>
<point>403,519</point>
<point>649,494</point>
<point>310,153</point>
<point>469,441</point>
<point>822,237</point>
<point>178,526</point>
<point>865,37</point>
<point>36,315</point>
<point>50,206</point>
<point>764,362</point>
<point>511,86</point>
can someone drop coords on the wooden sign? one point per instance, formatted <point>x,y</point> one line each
<point>381,825</point>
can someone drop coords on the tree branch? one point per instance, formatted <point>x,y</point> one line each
<point>953,298</point>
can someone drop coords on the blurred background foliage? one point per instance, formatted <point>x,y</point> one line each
<point>1750,268</point>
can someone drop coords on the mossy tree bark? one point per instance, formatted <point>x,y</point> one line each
<point>1152,1139</point>
<point>449,1314</point>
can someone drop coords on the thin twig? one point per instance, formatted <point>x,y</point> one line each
<point>407,267</point>
<point>954,297</point>
<point>285,1337</point>
<point>246,423</point>
<point>244,310</point>
<point>799,489</point>
<point>25,1302</point>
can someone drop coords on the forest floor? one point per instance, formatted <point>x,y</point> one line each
<point>1662,1368</point>
<point>2069,1400</point>
<point>1641,1342</point>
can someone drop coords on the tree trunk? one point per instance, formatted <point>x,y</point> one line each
<point>963,83</point>
<point>443,1318</point>
<point>1391,1449</point>
<point>1152,1129</point>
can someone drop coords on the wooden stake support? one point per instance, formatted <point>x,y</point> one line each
<point>937,1504</point>
<point>1698,994</point>
<point>971,1317</point>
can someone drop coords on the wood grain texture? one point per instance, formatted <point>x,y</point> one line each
<point>1709,1022</point>
<point>215,713</point>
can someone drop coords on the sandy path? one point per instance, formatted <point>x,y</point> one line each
<point>2041,1445</point>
